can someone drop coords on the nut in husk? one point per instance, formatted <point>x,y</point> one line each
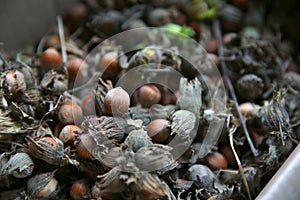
<point>48,148</point>
<point>43,186</point>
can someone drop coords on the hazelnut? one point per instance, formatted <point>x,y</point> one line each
<point>158,130</point>
<point>81,149</point>
<point>228,153</point>
<point>215,161</point>
<point>69,113</point>
<point>88,104</point>
<point>110,63</point>
<point>80,189</point>
<point>76,16</point>
<point>50,59</point>
<point>77,68</point>
<point>167,97</point>
<point>68,134</point>
<point>149,95</point>
<point>116,101</point>
<point>58,129</point>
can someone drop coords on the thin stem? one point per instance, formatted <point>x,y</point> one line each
<point>62,39</point>
<point>218,34</point>
<point>231,131</point>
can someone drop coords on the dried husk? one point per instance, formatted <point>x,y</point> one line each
<point>158,111</point>
<point>137,139</point>
<point>110,127</point>
<point>13,86</point>
<point>10,126</point>
<point>19,165</point>
<point>50,153</point>
<point>183,123</point>
<point>155,157</point>
<point>190,96</point>
<point>42,186</point>
<point>54,83</point>
<point>101,90</point>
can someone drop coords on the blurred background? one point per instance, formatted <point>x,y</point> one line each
<point>25,22</point>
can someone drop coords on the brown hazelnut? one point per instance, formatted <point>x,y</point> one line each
<point>158,130</point>
<point>216,161</point>
<point>110,63</point>
<point>88,104</point>
<point>167,97</point>
<point>80,189</point>
<point>69,113</point>
<point>68,134</point>
<point>116,101</point>
<point>58,129</point>
<point>77,68</point>
<point>81,149</point>
<point>228,153</point>
<point>50,59</point>
<point>76,15</point>
<point>149,95</point>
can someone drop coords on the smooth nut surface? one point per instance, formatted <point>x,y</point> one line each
<point>116,101</point>
<point>50,59</point>
<point>216,161</point>
<point>149,95</point>
<point>69,113</point>
<point>158,130</point>
<point>110,64</point>
<point>77,68</point>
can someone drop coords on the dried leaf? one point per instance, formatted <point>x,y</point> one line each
<point>9,126</point>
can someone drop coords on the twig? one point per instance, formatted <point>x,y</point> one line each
<point>231,131</point>
<point>62,39</point>
<point>218,34</point>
